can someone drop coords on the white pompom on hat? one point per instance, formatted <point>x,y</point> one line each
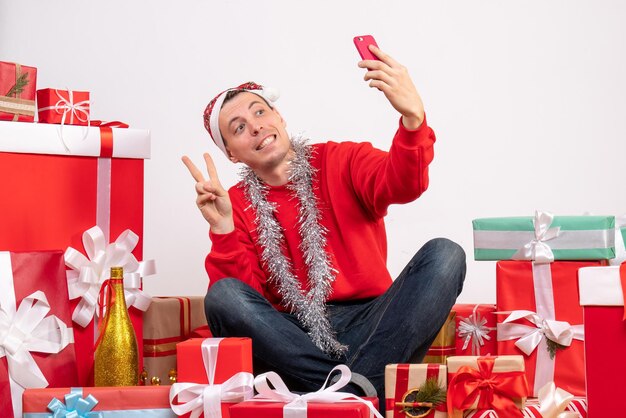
<point>211,117</point>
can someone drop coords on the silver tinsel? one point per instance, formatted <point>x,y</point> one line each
<point>309,307</point>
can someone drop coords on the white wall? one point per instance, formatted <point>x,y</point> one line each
<point>527,100</point>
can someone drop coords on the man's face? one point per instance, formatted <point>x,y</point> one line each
<point>254,132</point>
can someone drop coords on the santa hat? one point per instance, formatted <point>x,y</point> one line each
<point>211,117</point>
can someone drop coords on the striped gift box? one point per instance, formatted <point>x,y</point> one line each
<point>577,407</point>
<point>168,321</point>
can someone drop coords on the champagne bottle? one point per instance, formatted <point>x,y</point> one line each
<point>116,360</point>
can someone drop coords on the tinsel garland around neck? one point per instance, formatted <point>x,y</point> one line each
<point>309,307</point>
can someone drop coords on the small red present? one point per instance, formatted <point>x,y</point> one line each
<point>234,355</point>
<point>36,348</point>
<point>403,381</point>
<point>602,294</point>
<point>225,366</point>
<point>65,107</point>
<point>475,329</point>
<point>491,382</point>
<point>276,401</point>
<point>546,321</point>
<point>18,84</point>
<point>120,401</point>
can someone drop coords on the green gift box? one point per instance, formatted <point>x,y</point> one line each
<point>544,238</point>
<point>620,241</point>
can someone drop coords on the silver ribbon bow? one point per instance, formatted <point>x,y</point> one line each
<point>474,329</point>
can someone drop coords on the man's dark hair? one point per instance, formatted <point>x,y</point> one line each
<point>233,93</point>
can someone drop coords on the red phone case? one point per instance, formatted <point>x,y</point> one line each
<point>361,43</point>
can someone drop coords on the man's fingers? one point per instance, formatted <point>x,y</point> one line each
<point>204,199</point>
<point>210,167</point>
<point>383,56</point>
<point>379,75</point>
<point>208,187</point>
<point>195,173</point>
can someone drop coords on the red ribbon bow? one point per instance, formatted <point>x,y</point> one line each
<point>493,390</point>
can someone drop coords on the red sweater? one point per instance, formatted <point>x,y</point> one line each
<point>354,184</point>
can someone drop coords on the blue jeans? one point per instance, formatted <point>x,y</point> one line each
<point>396,327</point>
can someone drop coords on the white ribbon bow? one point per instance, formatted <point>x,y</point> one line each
<point>296,405</point>
<point>208,398</point>
<point>198,398</point>
<point>25,330</point>
<point>474,328</point>
<point>528,337</point>
<point>88,273</point>
<point>553,401</point>
<point>537,250</point>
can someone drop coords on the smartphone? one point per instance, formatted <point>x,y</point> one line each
<point>362,43</point>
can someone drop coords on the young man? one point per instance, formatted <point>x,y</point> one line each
<point>298,257</point>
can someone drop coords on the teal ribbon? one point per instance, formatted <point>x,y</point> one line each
<point>75,406</point>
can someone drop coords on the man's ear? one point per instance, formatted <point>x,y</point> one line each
<point>282,120</point>
<point>231,157</point>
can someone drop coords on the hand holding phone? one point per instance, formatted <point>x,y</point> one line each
<point>362,44</point>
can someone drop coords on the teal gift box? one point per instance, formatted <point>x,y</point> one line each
<point>544,238</point>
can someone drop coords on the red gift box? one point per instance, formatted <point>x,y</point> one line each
<point>65,107</point>
<point>76,190</point>
<point>274,400</point>
<point>475,329</point>
<point>36,349</point>
<point>400,379</point>
<point>137,401</point>
<point>259,409</point>
<point>18,84</point>
<point>544,302</point>
<point>222,366</point>
<point>233,355</point>
<point>602,294</point>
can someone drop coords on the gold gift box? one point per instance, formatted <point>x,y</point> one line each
<point>168,321</point>
<point>444,344</point>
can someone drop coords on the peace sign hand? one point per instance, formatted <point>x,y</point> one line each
<point>213,200</point>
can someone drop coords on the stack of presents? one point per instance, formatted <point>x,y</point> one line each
<point>73,208</point>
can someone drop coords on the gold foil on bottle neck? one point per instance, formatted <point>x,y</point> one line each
<point>117,272</point>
